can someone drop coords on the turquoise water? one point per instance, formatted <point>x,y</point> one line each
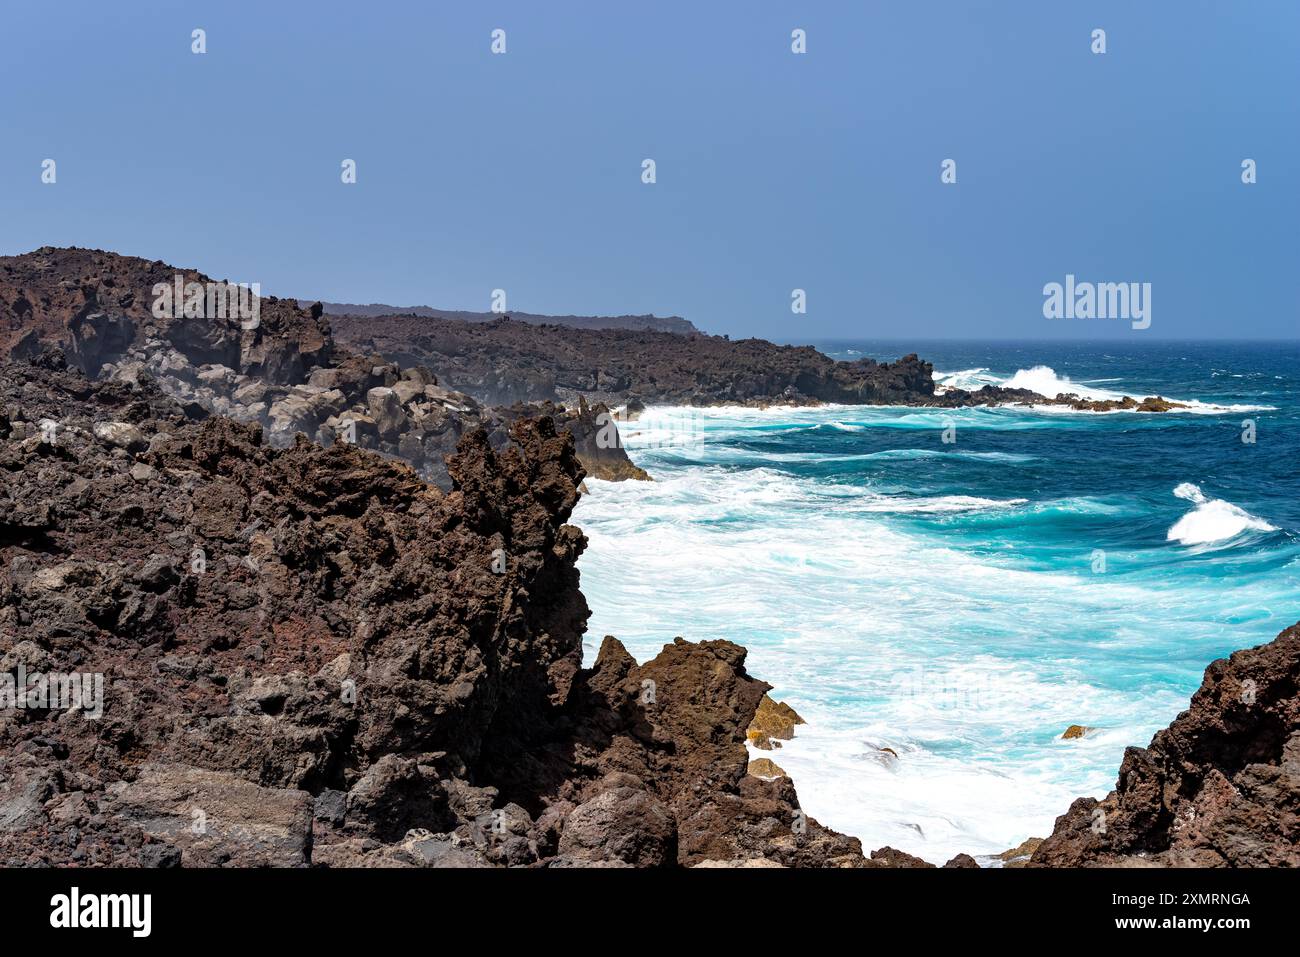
<point>962,602</point>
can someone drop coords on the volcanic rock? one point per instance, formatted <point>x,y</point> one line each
<point>773,723</point>
<point>311,656</point>
<point>1219,787</point>
<point>1019,856</point>
<point>766,768</point>
<point>284,372</point>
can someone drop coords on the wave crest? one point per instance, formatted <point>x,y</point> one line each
<point>1045,381</point>
<point>1212,520</point>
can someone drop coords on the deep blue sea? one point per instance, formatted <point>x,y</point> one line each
<point>961,602</point>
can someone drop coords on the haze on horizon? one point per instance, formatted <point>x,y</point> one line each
<point>775,171</point>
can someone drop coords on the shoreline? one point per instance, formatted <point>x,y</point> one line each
<point>437,534</point>
<point>1180,407</point>
<point>984,857</point>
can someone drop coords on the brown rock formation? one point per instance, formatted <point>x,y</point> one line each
<point>99,305</point>
<point>1220,787</point>
<point>1019,856</point>
<point>310,656</point>
<point>596,437</point>
<point>674,324</point>
<point>774,722</point>
<point>282,370</point>
<point>766,768</point>
<point>505,361</point>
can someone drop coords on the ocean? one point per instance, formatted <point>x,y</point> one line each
<point>941,593</point>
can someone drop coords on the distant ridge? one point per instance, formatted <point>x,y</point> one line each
<point>674,324</point>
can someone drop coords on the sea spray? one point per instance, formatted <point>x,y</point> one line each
<point>865,569</point>
<point>1213,520</point>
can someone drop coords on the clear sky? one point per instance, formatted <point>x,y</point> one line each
<point>775,170</point>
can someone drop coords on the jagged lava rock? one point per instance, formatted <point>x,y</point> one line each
<point>1219,787</point>
<point>284,371</point>
<point>338,664</point>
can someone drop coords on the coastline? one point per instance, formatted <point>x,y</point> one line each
<point>438,530</point>
<point>796,755</point>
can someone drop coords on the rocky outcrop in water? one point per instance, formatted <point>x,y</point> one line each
<point>774,722</point>
<point>1220,787</point>
<point>596,438</point>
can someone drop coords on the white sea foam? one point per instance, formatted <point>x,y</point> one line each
<point>859,604</point>
<point>870,634</point>
<point>969,379</point>
<point>941,503</point>
<point>1045,381</point>
<point>1212,520</point>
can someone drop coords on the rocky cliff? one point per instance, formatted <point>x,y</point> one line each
<point>1220,787</point>
<point>280,368</point>
<point>304,652</point>
<point>311,656</point>
<point>506,361</point>
<point>673,324</point>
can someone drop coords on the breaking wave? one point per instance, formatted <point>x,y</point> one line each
<point>1212,520</point>
<point>1047,382</point>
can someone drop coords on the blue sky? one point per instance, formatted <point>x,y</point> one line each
<point>775,171</point>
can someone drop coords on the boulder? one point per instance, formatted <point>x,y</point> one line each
<point>622,824</point>
<point>774,721</point>
<point>123,435</point>
<point>251,392</point>
<point>407,390</point>
<point>766,768</point>
<point>386,411</point>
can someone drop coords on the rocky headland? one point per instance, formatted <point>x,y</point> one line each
<point>505,361</point>
<point>675,324</point>
<point>313,656</point>
<point>282,369</point>
<point>317,650</point>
